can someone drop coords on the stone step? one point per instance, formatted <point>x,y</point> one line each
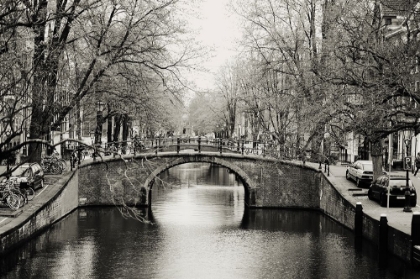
<point>360,194</point>
<point>416,255</point>
<point>7,212</point>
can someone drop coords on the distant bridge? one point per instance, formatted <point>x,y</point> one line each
<point>180,144</point>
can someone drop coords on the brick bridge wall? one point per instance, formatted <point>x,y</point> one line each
<point>267,182</point>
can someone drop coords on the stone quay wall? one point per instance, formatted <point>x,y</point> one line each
<point>270,183</point>
<point>42,213</point>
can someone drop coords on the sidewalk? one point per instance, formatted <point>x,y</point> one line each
<point>7,215</point>
<point>395,215</point>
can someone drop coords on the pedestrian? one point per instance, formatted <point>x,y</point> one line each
<point>417,163</point>
<point>303,157</point>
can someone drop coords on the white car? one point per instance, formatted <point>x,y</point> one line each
<point>28,175</point>
<point>361,172</point>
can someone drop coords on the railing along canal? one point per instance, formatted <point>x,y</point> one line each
<point>157,145</point>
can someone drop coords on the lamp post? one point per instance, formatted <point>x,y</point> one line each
<point>322,151</point>
<point>327,149</point>
<point>92,138</point>
<point>98,136</point>
<point>407,167</point>
<point>26,137</point>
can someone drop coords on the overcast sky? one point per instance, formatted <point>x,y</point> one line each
<point>217,28</point>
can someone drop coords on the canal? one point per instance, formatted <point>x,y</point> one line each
<point>199,229</point>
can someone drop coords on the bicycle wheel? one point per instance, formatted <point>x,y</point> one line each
<point>30,193</point>
<point>12,201</point>
<point>63,164</point>
<point>22,198</point>
<point>55,168</point>
<point>18,192</point>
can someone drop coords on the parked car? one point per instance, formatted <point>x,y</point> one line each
<point>361,172</point>
<point>378,190</point>
<point>28,175</point>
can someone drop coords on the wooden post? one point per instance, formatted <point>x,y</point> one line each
<point>177,145</point>
<point>358,220</point>
<point>415,239</point>
<point>383,240</point>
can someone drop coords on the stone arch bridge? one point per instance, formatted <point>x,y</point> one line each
<point>268,182</point>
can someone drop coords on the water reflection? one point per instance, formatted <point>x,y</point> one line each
<point>201,230</point>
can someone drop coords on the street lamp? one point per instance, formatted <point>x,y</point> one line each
<point>407,167</point>
<point>98,136</point>
<point>322,151</point>
<point>92,138</point>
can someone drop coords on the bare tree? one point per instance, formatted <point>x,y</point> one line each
<point>77,47</point>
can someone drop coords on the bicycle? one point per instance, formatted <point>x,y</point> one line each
<point>51,166</point>
<point>8,197</point>
<point>26,191</point>
<point>11,186</point>
<point>111,150</point>
<point>55,156</point>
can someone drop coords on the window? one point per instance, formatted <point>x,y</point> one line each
<point>368,167</point>
<point>27,173</point>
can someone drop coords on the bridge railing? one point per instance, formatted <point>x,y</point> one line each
<point>156,145</point>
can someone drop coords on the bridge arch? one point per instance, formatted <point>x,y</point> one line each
<point>247,182</point>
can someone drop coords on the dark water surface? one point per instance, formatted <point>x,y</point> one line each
<point>200,230</point>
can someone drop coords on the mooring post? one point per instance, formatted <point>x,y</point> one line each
<point>383,240</point>
<point>177,145</point>
<point>415,239</point>
<point>358,220</point>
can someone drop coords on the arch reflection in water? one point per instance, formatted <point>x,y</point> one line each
<point>201,190</point>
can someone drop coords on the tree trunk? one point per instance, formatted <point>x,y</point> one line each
<point>125,127</point>
<point>38,123</point>
<point>79,121</point>
<point>109,129</point>
<point>117,127</point>
<point>377,157</point>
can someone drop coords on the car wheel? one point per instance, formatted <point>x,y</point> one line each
<point>370,194</point>
<point>347,175</point>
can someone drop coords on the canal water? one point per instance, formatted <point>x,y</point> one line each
<point>199,229</point>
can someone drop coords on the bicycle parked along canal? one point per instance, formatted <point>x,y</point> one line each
<point>51,165</point>
<point>8,195</point>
